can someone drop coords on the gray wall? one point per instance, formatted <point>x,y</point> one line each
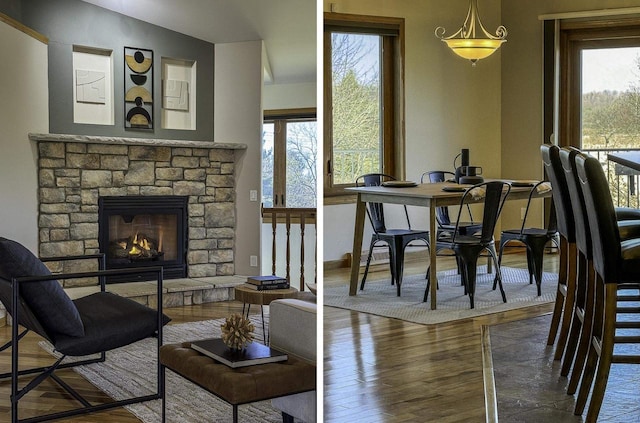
<point>73,22</point>
<point>11,8</point>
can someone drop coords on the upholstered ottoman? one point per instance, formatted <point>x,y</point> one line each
<point>241,385</point>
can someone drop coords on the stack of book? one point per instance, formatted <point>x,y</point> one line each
<point>253,354</point>
<point>263,283</point>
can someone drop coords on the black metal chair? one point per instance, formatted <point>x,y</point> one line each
<point>469,247</point>
<point>534,239</point>
<point>89,325</point>
<point>395,239</point>
<point>442,213</point>
<point>617,265</point>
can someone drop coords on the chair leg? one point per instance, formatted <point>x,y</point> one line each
<point>560,294</point>
<point>469,261</point>
<point>530,265</point>
<point>593,355</point>
<point>606,353</point>
<point>585,332</point>
<point>569,302</point>
<point>536,248</point>
<point>498,278</point>
<point>578,316</point>
<point>398,257</point>
<point>286,418</point>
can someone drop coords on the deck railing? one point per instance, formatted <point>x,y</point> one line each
<point>299,219</point>
<point>623,181</point>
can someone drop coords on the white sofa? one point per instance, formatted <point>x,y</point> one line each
<point>292,329</point>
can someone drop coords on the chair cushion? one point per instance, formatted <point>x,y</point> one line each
<point>47,300</point>
<point>110,321</point>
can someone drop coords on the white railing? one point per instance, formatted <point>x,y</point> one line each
<point>293,231</point>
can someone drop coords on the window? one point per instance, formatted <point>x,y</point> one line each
<point>592,91</point>
<point>289,157</point>
<point>363,122</point>
<point>598,81</point>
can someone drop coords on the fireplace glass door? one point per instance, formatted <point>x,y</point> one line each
<point>142,237</point>
<point>138,231</point>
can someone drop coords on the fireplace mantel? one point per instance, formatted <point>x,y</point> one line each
<point>150,142</point>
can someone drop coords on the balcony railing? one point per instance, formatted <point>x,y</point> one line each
<point>290,229</point>
<point>623,181</point>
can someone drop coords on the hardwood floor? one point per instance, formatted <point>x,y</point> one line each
<point>378,369</point>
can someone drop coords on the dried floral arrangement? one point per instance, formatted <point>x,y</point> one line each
<point>237,331</point>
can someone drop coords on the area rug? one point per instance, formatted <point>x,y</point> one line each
<point>131,370</point>
<point>379,297</point>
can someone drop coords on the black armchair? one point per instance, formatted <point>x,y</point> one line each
<point>395,239</point>
<point>89,325</point>
<point>469,247</point>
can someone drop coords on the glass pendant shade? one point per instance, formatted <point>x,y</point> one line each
<point>464,42</point>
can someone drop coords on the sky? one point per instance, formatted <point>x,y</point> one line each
<point>609,69</point>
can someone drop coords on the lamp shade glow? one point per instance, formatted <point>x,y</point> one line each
<point>464,42</point>
<point>474,48</point>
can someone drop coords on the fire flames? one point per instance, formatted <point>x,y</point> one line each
<point>136,247</point>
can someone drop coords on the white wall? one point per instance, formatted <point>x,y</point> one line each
<point>289,96</point>
<point>238,119</point>
<point>449,104</point>
<point>24,109</point>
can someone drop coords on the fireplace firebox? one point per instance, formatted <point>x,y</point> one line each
<point>139,231</point>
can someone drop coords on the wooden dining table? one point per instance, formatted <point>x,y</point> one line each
<point>430,195</point>
<point>629,159</point>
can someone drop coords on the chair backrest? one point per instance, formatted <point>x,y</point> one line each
<point>375,211</point>
<point>560,193</point>
<point>578,207</point>
<point>538,190</point>
<point>26,318</point>
<point>495,193</point>
<point>601,214</point>
<point>434,176</point>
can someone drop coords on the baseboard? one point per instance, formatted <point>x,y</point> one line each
<point>337,264</point>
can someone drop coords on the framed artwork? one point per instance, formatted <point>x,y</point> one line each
<point>138,88</point>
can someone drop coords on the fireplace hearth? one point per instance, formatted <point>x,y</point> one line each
<point>139,231</point>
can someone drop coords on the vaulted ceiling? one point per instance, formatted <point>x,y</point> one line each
<point>288,27</point>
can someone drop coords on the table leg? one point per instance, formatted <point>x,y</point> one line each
<point>235,414</point>
<point>357,246</point>
<point>265,335</point>
<point>433,238</point>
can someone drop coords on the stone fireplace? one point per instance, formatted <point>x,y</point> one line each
<point>77,174</point>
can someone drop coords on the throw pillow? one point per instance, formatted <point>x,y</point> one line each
<point>50,304</point>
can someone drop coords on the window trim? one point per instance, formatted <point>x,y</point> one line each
<point>393,129</point>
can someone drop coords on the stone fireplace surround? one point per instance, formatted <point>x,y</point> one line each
<point>75,170</point>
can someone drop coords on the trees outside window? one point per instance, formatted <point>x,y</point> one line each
<point>289,157</point>
<point>363,123</point>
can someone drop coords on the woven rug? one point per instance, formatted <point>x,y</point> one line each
<point>131,370</point>
<point>380,298</point>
